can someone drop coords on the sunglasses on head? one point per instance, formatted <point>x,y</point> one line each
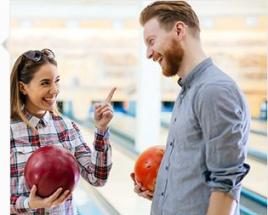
<point>36,55</point>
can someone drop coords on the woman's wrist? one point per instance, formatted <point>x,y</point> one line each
<point>27,203</point>
<point>102,129</point>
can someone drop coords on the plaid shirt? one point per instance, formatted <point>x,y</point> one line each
<point>94,165</point>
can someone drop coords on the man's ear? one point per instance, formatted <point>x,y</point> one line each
<point>180,29</point>
<point>22,88</point>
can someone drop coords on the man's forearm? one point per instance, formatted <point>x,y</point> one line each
<point>221,203</point>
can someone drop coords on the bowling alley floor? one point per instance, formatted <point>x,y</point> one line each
<point>118,197</point>
<point>118,193</point>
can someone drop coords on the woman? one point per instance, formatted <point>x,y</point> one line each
<point>35,123</point>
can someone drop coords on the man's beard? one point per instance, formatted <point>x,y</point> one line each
<point>173,57</point>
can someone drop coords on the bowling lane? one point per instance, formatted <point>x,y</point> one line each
<point>259,127</point>
<point>118,192</point>
<point>257,172</point>
<point>87,202</point>
<point>256,180</point>
<point>258,142</point>
<point>126,125</point>
<point>165,116</point>
<point>126,202</point>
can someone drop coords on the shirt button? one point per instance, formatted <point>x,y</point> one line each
<point>175,119</point>
<point>162,194</point>
<point>166,167</point>
<point>171,143</point>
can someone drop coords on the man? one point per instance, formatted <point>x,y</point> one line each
<point>203,166</point>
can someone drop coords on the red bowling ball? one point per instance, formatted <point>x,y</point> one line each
<point>49,168</point>
<point>147,166</point>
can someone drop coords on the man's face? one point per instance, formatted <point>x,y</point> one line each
<point>163,47</point>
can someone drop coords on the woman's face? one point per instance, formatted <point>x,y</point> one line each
<point>41,92</point>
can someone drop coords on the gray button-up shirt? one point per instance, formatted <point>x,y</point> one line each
<point>206,145</point>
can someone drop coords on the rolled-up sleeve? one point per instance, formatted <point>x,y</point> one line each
<point>224,120</point>
<point>95,164</point>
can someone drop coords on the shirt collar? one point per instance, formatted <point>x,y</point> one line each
<point>186,82</point>
<point>36,121</point>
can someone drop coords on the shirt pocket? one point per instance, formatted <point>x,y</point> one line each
<point>21,156</point>
<point>24,152</point>
<point>65,141</point>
